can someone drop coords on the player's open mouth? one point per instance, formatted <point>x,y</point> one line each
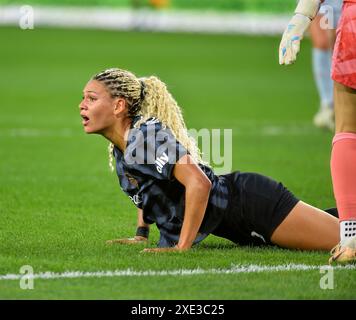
<point>85,120</point>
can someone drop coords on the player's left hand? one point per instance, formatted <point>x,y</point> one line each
<point>293,34</point>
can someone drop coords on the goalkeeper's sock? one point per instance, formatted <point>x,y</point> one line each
<point>321,70</point>
<point>343,171</point>
<point>347,229</point>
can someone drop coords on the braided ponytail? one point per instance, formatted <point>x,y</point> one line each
<point>148,97</point>
<point>159,103</point>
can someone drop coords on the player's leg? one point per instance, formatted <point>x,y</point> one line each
<point>307,228</point>
<point>343,169</point>
<point>343,156</point>
<point>321,62</point>
<point>345,108</point>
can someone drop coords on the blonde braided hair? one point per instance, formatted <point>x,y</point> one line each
<point>148,97</point>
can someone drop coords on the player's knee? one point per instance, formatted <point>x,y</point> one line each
<point>345,108</point>
<point>345,120</point>
<point>345,127</point>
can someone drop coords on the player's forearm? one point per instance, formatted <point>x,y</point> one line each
<point>140,221</point>
<point>143,229</point>
<point>196,201</point>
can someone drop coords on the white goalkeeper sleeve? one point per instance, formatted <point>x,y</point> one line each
<point>290,44</point>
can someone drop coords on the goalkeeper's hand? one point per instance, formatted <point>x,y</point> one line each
<point>134,240</point>
<point>293,34</point>
<point>305,12</point>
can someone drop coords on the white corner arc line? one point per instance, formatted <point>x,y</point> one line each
<point>235,269</point>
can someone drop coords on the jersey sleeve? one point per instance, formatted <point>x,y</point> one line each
<point>153,150</point>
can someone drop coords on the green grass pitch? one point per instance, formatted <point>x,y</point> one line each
<point>59,203</point>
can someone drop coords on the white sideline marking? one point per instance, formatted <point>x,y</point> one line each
<point>180,272</point>
<point>152,20</point>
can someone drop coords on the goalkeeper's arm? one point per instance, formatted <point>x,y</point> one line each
<point>303,15</point>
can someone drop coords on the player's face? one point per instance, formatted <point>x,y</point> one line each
<point>97,108</point>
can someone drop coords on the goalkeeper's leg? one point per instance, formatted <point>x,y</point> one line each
<point>343,169</point>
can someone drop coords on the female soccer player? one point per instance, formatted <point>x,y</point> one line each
<point>160,168</point>
<point>343,156</point>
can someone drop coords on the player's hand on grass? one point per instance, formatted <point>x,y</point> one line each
<point>134,240</point>
<point>293,34</point>
<point>141,237</point>
<point>161,250</point>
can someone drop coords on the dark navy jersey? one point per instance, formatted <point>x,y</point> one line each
<point>145,172</point>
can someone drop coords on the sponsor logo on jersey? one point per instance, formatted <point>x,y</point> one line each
<point>136,199</point>
<point>161,161</point>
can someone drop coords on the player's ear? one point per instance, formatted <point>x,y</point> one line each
<point>120,106</point>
